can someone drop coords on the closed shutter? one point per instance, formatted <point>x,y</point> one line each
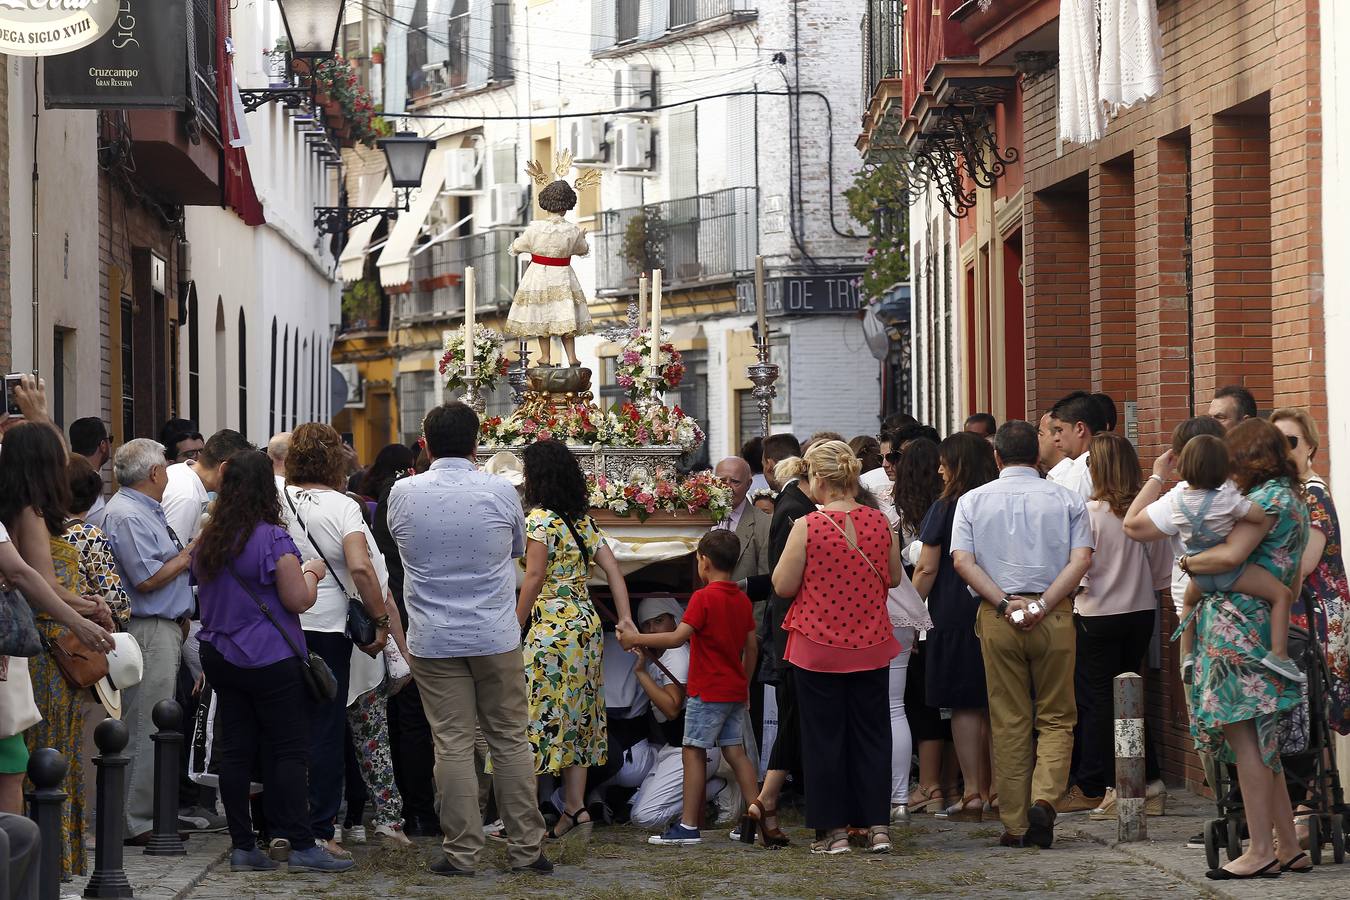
<point>480,41</point>
<point>682,152</point>
<point>504,164</point>
<point>653,19</point>
<point>438,32</point>
<point>740,141</point>
<point>415,392</point>
<point>603,13</point>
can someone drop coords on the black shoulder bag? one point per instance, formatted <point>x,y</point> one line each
<point>319,678</point>
<point>360,624</point>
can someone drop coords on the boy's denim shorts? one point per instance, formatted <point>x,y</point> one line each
<point>709,725</point>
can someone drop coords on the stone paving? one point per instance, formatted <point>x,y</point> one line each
<point>933,858</point>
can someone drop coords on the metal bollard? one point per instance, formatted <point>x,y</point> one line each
<point>168,740</point>
<point>1130,781</point>
<point>109,879</point>
<point>46,803</point>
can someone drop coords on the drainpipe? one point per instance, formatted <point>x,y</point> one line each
<point>37,329</point>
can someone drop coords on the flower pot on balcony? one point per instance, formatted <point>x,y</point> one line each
<point>300,66</point>
<point>377,56</point>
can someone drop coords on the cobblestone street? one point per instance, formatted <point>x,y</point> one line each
<point>931,859</point>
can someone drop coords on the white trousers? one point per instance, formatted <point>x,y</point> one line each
<point>660,799</point>
<point>902,743</point>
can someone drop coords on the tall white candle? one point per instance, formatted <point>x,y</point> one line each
<point>654,361</point>
<point>469,304</point>
<point>642,301</point>
<point>760,319</point>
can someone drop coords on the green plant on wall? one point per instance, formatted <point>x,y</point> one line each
<point>878,200</point>
<point>644,240</point>
<point>361,301</point>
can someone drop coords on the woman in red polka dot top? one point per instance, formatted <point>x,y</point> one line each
<point>838,566</point>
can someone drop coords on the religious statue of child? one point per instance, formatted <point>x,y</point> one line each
<point>549,301</point>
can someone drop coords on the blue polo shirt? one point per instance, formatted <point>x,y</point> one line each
<point>139,534</point>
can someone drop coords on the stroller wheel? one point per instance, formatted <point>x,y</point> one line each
<point>1213,837</point>
<point>1234,834</point>
<point>1338,838</point>
<point>1315,838</point>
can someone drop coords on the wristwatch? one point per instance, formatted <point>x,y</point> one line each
<point>1003,605</point>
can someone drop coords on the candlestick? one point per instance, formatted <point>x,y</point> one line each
<point>760,319</point>
<point>470,284</point>
<point>654,360</point>
<point>519,378</point>
<point>642,301</point>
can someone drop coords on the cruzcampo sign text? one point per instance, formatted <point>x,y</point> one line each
<point>52,27</point>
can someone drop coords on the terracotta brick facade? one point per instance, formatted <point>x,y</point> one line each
<point>1182,252</point>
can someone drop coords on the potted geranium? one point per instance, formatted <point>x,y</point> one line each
<point>377,55</point>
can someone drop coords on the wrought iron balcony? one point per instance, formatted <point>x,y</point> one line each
<point>882,43</point>
<point>617,26</point>
<point>438,277</point>
<point>693,240</point>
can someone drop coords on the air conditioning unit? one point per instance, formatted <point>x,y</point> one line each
<point>504,204</point>
<point>585,138</point>
<point>461,170</point>
<point>356,385</point>
<point>633,148</point>
<point>635,87</point>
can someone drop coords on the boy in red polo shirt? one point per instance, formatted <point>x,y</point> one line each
<point>720,629</point>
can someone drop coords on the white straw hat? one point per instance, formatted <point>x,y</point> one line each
<point>125,668</point>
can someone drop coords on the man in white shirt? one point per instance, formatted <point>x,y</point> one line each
<point>89,438</point>
<point>458,532</point>
<point>1073,422</point>
<point>881,482</point>
<point>191,483</point>
<point>277,448</point>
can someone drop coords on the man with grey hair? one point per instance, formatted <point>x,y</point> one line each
<point>747,521</point>
<point>277,448</point>
<point>153,564</point>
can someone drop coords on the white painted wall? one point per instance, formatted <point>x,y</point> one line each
<point>935,314</point>
<point>68,240</point>
<point>1335,32</point>
<point>280,271</point>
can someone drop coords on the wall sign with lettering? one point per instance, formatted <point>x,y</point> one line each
<point>141,63</point>
<point>52,27</point>
<point>837,293</point>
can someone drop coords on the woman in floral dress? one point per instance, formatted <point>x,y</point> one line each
<point>562,648</point>
<point>1236,701</point>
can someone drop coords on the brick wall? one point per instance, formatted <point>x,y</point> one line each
<point>1239,112</point>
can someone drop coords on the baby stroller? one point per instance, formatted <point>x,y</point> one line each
<point>1308,754</point>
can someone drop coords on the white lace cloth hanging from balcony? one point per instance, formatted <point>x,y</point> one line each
<point>1131,54</point>
<point>1101,78</point>
<point>1081,120</point>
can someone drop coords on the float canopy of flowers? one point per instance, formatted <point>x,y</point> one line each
<point>645,495</point>
<point>489,363</point>
<point>624,425</point>
<point>631,368</point>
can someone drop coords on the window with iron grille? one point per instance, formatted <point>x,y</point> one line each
<point>617,22</point>
<point>457,74</point>
<point>416,393</point>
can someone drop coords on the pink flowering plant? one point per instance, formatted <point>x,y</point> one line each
<point>630,425</point>
<point>645,495</point>
<point>489,362</point>
<point>572,424</point>
<point>631,367</point>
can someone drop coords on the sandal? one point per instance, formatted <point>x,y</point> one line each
<point>1293,866</point>
<point>879,839</point>
<point>578,826</point>
<point>931,800</point>
<point>832,844</point>
<point>770,834</point>
<point>970,809</point>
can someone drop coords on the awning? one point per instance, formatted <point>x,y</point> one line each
<point>395,262</point>
<point>352,263</point>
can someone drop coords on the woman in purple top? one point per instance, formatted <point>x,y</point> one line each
<point>244,560</point>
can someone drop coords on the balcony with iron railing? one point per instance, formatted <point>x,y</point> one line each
<point>693,240</point>
<point>882,44</point>
<point>438,277</point>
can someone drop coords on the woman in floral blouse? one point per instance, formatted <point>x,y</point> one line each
<point>1236,701</point>
<point>98,569</point>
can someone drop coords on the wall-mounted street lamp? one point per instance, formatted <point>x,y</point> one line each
<point>312,29</point>
<point>406,156</point>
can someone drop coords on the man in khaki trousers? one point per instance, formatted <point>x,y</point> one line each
<point>458,532</point>
<point>1023,544</point>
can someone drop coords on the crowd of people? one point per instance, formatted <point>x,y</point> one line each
<point>895,625</point>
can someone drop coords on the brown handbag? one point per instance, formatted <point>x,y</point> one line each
<point>80,666</point>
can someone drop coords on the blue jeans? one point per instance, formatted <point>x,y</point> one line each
<point>708,725</point>
<point>328,734</point>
